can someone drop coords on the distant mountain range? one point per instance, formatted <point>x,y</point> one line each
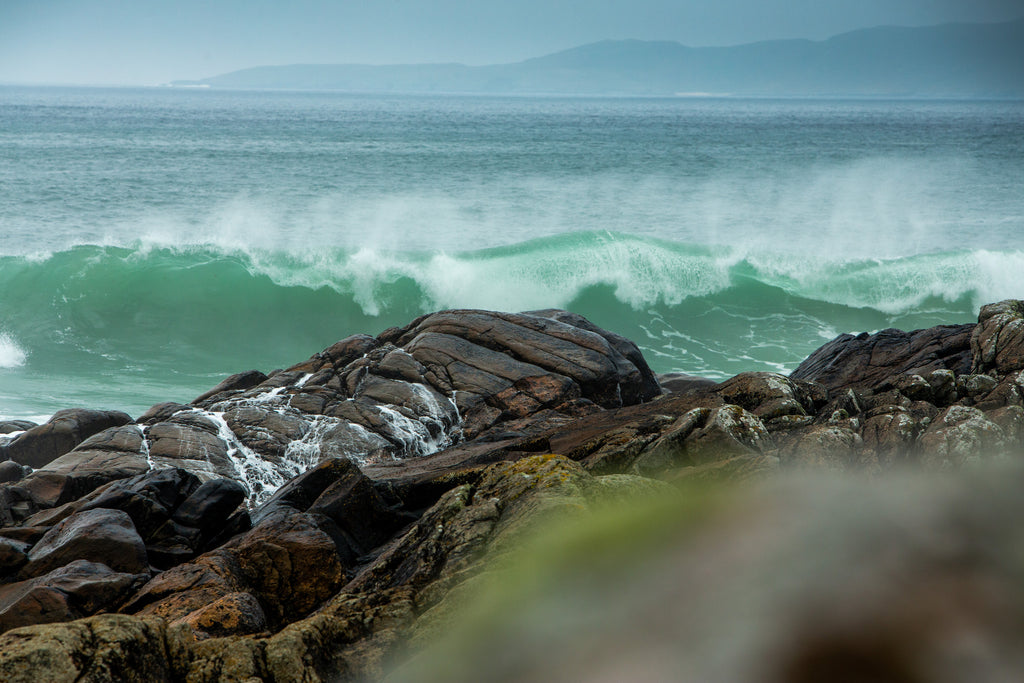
<point>951,60</point>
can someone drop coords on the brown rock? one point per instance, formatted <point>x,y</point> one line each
<point>997,343</point>
<point>866,361</point>
<point>78,589</point>
<point>65,430</point>
<point>105,536</point>
<point>232,615</point>
<point>237,382</point>
<point>112,454</point>
<point>13,555</point>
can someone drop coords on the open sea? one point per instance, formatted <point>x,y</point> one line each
<point>153,241</point>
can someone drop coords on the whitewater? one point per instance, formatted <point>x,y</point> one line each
<point>154,240</point>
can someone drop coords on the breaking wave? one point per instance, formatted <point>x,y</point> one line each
<point>178,313</point>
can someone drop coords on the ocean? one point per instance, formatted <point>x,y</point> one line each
<point>154,240</point>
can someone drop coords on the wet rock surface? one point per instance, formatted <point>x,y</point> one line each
<point>300,525</point>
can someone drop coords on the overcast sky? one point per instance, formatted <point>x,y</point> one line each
<point>148,42</point>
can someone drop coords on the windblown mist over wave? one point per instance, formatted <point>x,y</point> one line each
<point>154,240</point>
<point>178,314</point>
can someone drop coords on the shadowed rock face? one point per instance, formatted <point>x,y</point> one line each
<point>299,526</point>
<point>865,361</point>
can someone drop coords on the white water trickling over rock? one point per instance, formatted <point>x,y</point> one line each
<point>260,477</point>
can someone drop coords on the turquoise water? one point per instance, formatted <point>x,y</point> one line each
<point>154,240</point>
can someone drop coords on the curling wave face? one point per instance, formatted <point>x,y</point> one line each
<point>173,317</point>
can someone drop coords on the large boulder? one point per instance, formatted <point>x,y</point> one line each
<point>866,361</point>
<point>75,590</point>
<point>66,429</point>
<point>115,453</point>
<point>997,343</point>
<point>99,535</point>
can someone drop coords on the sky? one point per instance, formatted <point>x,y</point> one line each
<point>150,42</point>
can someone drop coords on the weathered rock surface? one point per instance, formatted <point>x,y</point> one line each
<point>97,535</point>
<point>866,360</point>
<point>75,590</point>
<point>997,342</point>
<point>65,430</point>
<point>301,525</point>
<point>115,453</point>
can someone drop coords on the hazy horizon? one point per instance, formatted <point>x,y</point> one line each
<point>115,42</point>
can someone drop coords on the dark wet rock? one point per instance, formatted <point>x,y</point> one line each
<point>191,442</point>
<point>64,431</point>
<point>997,343</point>
<point>264,429</point>
<point>200,511</point>
<point>914,387</point>
<point>866,361</point>
<point>483,352</point>
<point>236,382</point>
<point>106,536</point>
<point>210,505</point>
<point>148,499</point>
<point>890,436</point>
<point>682,383</point>
<point>113,454</point>
<point>161,412</point>
<point>11,471</point>
<point>8,427</point>
<point>338,490</point>
<point>78,589</point>
<point>25,534</point>
<point>729,430</point>
<point>286,562</point>
<point>669,449</point>
<point>1008,392</point>
<point>16,504</point>
<point>615,448</point>
<point>649,386</point>
<point>884,402</point>
<point>13,555</point>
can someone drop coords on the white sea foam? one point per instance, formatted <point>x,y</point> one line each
<point>259,477</point>
<point>11,355</point>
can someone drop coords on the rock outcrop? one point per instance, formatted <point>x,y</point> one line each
<point>309,523</point>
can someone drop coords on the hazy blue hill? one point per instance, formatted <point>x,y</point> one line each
<point>951,60</point>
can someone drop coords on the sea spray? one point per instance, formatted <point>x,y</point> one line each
<point>11,355</point>
<point>129,326</point>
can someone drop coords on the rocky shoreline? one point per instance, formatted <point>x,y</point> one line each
<point>309,523</point>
